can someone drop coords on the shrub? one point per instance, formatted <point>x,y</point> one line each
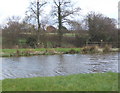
<point>90,49</point>
<point>32,42</point>
<point>107,48</point>
<point>50,51</point>
<point>71,51</point>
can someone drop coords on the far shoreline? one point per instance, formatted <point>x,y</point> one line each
<point>50,51</point>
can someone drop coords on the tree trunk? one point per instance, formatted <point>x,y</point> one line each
<point>60,24</point>
<point>38,23</point>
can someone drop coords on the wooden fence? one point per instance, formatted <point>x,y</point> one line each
<point>102,44</point>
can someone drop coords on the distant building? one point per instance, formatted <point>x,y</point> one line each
<point>119,14</point>
<point>51,29</point>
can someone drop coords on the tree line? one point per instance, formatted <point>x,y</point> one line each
<point>31,31</point>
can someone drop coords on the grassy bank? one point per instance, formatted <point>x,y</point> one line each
<point>80,82</point>
<point>52,51</point>
<point>0,86</point>
<point>40,51</point>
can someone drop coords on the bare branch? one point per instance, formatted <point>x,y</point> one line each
<point>41,5</point>
<point>55,2</point>
<point>33,11</point>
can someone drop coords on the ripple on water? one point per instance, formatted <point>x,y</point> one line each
<point>24,67</point>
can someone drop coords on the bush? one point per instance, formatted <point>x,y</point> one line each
<point>80,41</point>
<point>90,49</point>
<point>32,42</point>
<point>50,51</point>
<point>107,48</point>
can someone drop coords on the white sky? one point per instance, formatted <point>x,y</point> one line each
<point>18,7</point>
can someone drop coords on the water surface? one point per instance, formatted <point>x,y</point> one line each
<point>54,65</point>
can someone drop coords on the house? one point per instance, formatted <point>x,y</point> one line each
<point>51,29</point>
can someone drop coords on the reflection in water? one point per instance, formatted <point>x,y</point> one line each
<point>53,65</point>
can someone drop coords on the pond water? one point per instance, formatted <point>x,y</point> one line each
<point>54,65</point>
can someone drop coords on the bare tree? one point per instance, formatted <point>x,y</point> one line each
<point>75,25</point>
<point>11,31</point>
<point>34,13</point>
<point>62,10</point>
<point>16,32</point>
<point>35,10</point>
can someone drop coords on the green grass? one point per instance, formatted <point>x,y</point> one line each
<point>80,82</point>
<point>22,40</point>
<point>39,49</point>
<point>69,34</point>
<point>67,49</point>
<point>30,52</point>
<point>65,34</point>
<point>9,51</point>
<point>0,86</point>
<point>12,52</point>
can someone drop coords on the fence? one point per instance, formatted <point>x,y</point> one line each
<point>102,44</point>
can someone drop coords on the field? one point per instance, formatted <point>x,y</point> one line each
<point>80,82</point>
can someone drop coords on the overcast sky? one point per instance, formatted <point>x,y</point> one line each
<point>18,7</point>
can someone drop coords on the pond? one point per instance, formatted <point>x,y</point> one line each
<point>54,65</point>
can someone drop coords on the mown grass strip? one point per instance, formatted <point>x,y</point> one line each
<point>80,82</point>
